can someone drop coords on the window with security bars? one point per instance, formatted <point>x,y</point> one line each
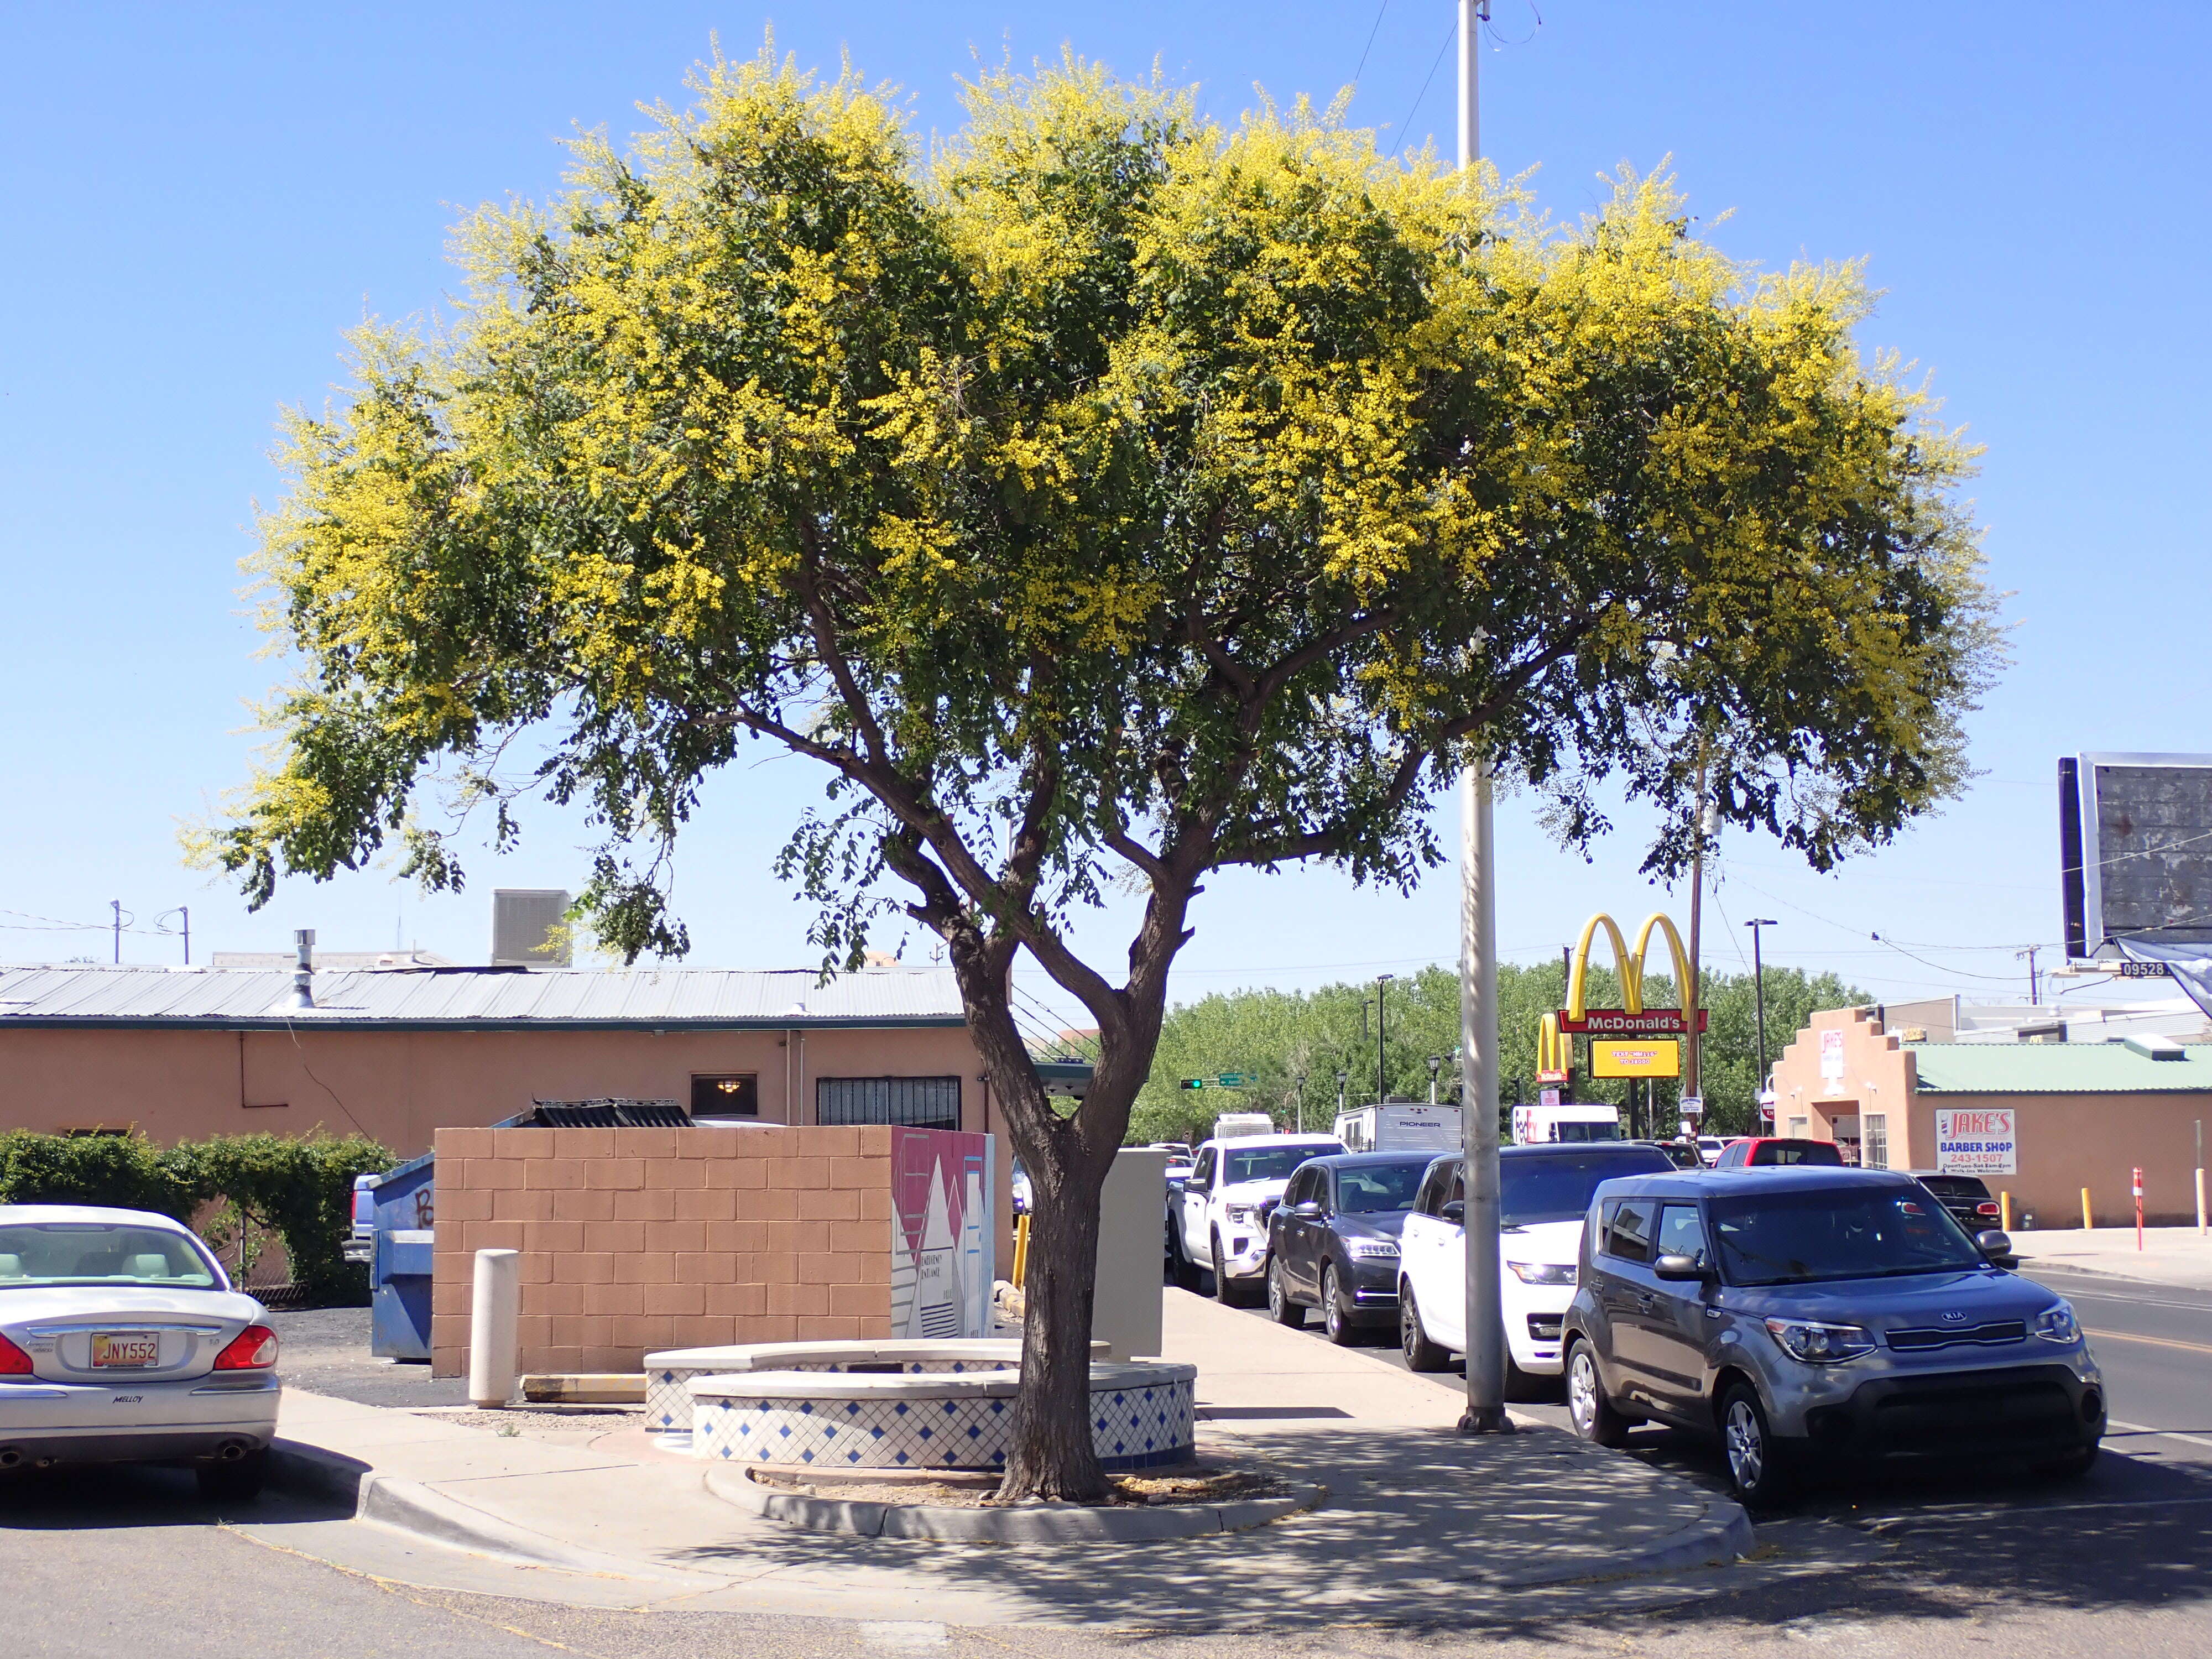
<point>1874,1148</point>
<point>913,1103</point>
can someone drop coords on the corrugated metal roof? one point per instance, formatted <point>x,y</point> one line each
<point>79,994</point>
<point>2052,1068</point>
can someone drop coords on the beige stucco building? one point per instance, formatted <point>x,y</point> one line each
<point>397,1055</point>
<point>2085,1115</point>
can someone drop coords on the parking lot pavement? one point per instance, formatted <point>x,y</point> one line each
<point>326,1351</point>
<point>2177,1256</point>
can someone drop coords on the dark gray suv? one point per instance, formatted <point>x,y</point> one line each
<point>1831,1312</point>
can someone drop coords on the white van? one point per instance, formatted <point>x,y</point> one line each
<point>1540,1125</point>
<point>1234,1126</point>
<point>1403,1126</point>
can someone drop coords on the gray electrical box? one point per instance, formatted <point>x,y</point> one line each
<point>530,928</point>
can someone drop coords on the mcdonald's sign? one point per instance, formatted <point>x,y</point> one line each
<point>1555,1038</point>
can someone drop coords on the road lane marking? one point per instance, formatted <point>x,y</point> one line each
<point>2154,1341</point>
<point>2169,1434</point>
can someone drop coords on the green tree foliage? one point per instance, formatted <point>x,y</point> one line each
<point>301,1189</point>
<point>1109,494</point>
<point>1278,1037</point>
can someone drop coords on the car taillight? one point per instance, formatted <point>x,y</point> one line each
<point>1987,1209</point>
<point>14,1361</point>
<point>251,1350</point>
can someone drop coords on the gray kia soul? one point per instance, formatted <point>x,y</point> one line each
<point>1836,1312</point>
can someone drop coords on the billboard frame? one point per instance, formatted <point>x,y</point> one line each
<point>2081,852</point>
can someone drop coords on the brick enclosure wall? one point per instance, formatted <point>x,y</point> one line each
<point>639,1239</point>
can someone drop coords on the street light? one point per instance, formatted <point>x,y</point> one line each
<point>1380,980</point>
<point>1759,994</point>
<point>1342,1077</point>
<point>1436,1064</point>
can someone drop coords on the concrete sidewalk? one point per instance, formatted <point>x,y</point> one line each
<point>1420,1525</point>
<point>2170,1255</point>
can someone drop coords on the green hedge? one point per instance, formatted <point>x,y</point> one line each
<point>300,1189</point>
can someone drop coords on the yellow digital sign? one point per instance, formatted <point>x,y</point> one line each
<point>1613,1057</point>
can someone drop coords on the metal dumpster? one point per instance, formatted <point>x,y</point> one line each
<point>393,1218</point>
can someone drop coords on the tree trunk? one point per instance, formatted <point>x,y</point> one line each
<point>1053,1455</point>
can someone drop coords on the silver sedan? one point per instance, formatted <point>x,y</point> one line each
<point>121,1341</point>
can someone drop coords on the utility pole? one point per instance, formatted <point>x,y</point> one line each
<point>1692,998</point>
<point>2034,984</point>
<point>185,911</point>
<point>1758,998</point>
<point>1478,975</point>
<point>1382,1090</point>
<point>116,906</point>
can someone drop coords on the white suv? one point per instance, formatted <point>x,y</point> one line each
<point>1545,1191</point>
<point>1220,1219</point>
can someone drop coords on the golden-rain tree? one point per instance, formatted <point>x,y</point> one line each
<point>1107,494</point>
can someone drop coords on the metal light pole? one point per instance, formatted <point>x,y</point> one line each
<point>1342,1077</point>
<point>1758,997</point>
<point>1478,975</point>
<point>1436,1064</point>
<point>1382,1090</point>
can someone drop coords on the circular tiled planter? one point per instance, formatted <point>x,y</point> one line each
<point>1142,1417</point>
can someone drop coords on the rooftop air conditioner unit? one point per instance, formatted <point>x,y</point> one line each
<point>530,928</point>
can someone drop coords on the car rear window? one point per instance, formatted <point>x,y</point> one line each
<point>1955,1186</point>
<point>1820,1153</point>
<point>1271,1163</point>
<point>35,1252</point>
<point>1379,1188</point>
<point>1557,1183</point>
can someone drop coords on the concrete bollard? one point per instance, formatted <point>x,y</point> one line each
<point>2200,1204</point>
<point>2004,1211</point>
<point>493,1319</point>
<point>2088,1221</point>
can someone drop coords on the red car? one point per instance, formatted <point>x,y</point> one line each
<point>1766,1152</point>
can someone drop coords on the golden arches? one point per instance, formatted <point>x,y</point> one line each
<point>1555,1048</point>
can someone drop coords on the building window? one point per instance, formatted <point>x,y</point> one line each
<point>913,1103</point>
<point>1796,1130</point>
<point>733,1094</point>
<point>1874,1150</point>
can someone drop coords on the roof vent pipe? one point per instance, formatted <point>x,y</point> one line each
<point>303,975</point>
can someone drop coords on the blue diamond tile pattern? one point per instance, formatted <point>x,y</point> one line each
<point>668,1397</point>
<point>1132,1428</point>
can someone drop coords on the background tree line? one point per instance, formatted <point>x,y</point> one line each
<point>1291,1045</point>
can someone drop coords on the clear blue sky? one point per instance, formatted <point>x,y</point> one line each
<point>199,200</point>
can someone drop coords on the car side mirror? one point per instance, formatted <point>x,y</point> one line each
<point>1309,1210</point>
<point>1454,1211</point>
<point>1994,1243</point>
<point>1677,1267</point>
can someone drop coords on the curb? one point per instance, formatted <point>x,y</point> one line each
<point>1722,1537</point>
<point>1041,1524</point>
<point>411,1507</point>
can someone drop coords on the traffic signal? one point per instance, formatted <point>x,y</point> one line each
<point>1193,1083</point>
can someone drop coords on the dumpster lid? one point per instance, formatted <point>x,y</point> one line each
<point>608,1114</point>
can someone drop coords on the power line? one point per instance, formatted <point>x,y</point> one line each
<point>1369,47</point>
<point>1451,34</point>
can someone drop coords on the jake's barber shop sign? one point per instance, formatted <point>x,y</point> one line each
<point>1976,1142</point>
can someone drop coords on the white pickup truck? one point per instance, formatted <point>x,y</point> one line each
<point>1220,1220</point>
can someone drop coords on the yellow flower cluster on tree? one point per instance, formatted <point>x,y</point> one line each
<point>1107,496</point>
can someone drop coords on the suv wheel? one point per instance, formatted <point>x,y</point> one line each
<point>1341,1331</point>
<point>1226,1291</point>
<point>1591,1412</point>
<point>1421,1354</point>
<point>1280,1308</point>
<point>1754,1461</point>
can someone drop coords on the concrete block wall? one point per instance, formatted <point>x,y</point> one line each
<point>639,1239</point>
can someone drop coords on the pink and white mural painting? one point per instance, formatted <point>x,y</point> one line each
<point>942,1250</point>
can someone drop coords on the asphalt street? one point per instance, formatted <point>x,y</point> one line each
<point>133,1561</point>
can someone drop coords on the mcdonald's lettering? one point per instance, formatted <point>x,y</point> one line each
<point>1555,1037</point>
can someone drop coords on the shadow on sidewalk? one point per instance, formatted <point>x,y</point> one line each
<point>1430,1531</point>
